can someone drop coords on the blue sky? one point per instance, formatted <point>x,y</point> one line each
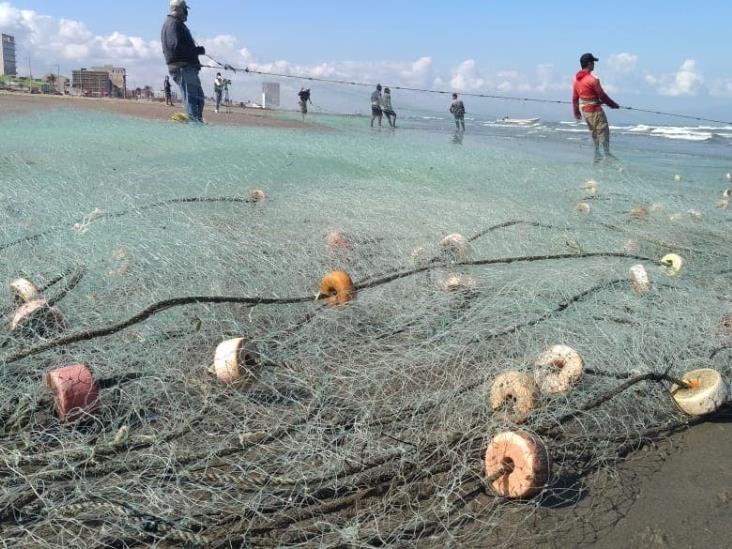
<point>671,52</point>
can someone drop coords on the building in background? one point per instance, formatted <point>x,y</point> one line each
<point>58,83</point>
<point>99,82</point>
<point>7,56</point>
<point>270,95</point>
<point>118,77</point>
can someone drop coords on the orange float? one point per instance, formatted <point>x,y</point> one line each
<point>557,369</point>
<point>37,318</point>
<point>518,464</point>
<point>257,195</point>
<point>76,391</point>
<point>337,288</point>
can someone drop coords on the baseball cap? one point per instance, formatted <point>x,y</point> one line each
<point>587,58</point>
<point>175,4</point>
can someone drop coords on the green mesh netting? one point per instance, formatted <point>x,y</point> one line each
<point>363,425</point>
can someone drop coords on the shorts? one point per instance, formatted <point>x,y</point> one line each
<point>389,113</point>
<point>376,111</point>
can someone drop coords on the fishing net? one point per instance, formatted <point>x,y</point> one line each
<point>358,425</point>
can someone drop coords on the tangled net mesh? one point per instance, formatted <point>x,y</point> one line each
<point>364,425</point>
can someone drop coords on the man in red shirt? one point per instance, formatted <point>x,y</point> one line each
<point>587,100</point>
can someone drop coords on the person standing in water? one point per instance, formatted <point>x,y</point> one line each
<point>588,98</point>
<point>457,108</point>
<point>168,92</point>
<point>304,96</point>
<point>376,111</point>
<point>181,56</point>
<point>388,109</point>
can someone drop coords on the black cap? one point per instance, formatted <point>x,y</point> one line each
<point>586,59</point>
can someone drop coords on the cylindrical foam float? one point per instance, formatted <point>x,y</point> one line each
<point>557,369</point>
<point>584,208</point>
<point>706,394</point>
<point>639,280</point>
<point>457,283</point>
<point>24,291</point>
<point>591,186</point>
<point>257,195</point>
<point>76,391</point>
<point>639,213</point>
<point>232,359</point>
<point>524,460</point>
<point>456,246</point>
<point>37,318</point>
<point>673,264</point>
<point>515,394</point>
<point>337,287</point>
<point>338,241</point>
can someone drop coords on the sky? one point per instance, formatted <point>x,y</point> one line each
<point>662,54</point>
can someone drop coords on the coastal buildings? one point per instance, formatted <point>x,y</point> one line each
<point>104,81</point>
<point>270,94</point>
<point>7,56</point>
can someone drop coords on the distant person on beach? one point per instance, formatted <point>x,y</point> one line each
<point>457,108</point>
<point>219,84</point>
<point>304,96</point>
<point>587,99</point>
<point>376,111</point>
<point>181,56</point>
<point>168,92</point>
<point>388,109</point>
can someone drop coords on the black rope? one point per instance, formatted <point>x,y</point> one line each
<point>227,67</point>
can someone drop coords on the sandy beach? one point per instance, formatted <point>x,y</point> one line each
<point>18,103</point>
<point>674,494</point>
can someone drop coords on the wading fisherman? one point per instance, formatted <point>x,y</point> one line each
<point>376,111</point>
<point>181,56</point>
<point>304,96</point>
<point>388,109</point>
<point>588,99</point>
<point>457,108</point>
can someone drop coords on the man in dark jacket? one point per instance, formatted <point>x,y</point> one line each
<point>588,98</point>
<point>181,55</point>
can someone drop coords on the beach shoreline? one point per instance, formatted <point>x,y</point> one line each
<point>16,103</point>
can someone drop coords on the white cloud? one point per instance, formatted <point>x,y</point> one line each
<point>466,78</point>
<point>688,81</point>
<point>622,63</point>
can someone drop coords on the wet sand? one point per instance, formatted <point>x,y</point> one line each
<point>21,103</point>
<point>675,494</point>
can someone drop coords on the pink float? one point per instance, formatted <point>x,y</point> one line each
<point>75,389</point>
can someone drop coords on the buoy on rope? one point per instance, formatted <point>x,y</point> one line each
<point>24,291</point>
<point>337,287</point>
<point>639,280</point>
<point>37,318</point>
<point>338,241</point>
<point>179,117</point>
<point>729,177</point>
<point>517,464</point>
<point>257,195</point>
<point>75,389</point>
<point>591,186</point>
<point>639,213</point>
<point>456,246</point>
<point>673,264</point>
<point>677,178</point>
<point>557,369</point>
<point>514,395</point>
<point>584,208</point>
<point>705,394</point>
<point>458,283</point>
<point>233,359</point>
